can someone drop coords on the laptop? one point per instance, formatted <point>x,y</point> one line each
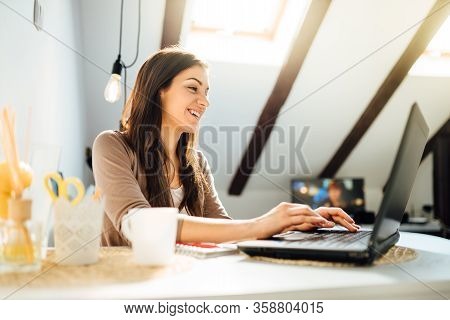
<point>363,246</point>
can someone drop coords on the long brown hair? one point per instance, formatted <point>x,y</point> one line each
<point>142,128</point>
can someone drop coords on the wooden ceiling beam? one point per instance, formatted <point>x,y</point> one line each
<point>288,74</point>
<point>431,24</point>
<point>173,22</point>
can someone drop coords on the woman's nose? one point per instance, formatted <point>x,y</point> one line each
<point>203,101</point>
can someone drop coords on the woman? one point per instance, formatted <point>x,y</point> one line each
<point>336,190</point>
<point>152,161</point>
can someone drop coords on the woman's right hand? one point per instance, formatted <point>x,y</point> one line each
<point>292,216</point>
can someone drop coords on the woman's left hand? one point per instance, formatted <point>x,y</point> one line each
<point>337,215</point>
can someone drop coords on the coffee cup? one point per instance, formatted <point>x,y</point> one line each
<point>152,232</point>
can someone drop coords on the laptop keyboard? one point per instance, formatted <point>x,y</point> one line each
<point>333,239</point>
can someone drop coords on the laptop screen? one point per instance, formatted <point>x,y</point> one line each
<point>402,176</point>
<point>347,194</point>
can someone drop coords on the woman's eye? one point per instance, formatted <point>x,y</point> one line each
<point>193,89</point>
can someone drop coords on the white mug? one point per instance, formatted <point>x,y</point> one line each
<point>152,232</point>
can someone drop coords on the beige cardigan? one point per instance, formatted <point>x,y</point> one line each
<point>118,175</point>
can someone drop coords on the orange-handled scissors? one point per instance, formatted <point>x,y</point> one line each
<point>63,187</point>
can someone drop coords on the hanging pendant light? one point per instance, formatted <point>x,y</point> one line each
<point>112,91</point>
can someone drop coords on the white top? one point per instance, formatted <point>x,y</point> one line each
<point>177,197</point>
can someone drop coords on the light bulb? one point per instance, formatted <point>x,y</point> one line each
<point>112,90</point>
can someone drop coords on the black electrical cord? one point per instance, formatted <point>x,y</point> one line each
<point>125,67</point>
<point>120,34</point>
<point>138,38</point>
<point>124,85</point>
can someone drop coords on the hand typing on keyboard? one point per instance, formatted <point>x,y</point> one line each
<point>333,216</point>
<point>337,215</point>
<point>298,217</point>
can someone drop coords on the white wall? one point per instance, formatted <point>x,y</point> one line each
<point>41,70</point>
<point>351,31</point>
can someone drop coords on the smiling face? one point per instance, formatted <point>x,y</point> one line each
<point>185,100</point>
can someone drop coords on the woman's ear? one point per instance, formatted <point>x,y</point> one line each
<point>162,93</point>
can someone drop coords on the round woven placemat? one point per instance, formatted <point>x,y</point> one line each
<point>114,266</point>
<point>395,255</point>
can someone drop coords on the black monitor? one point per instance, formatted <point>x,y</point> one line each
<point>346,193</point>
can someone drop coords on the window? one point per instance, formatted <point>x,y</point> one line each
<point>435,61</point>
<point>232,17</point>
<point>250,31</point>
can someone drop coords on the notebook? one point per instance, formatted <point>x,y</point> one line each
<point>204,250</point>
<point>363,246</point>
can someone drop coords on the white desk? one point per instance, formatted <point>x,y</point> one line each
<point>238,277</point>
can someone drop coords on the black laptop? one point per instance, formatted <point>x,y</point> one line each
<point>363,246</point>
